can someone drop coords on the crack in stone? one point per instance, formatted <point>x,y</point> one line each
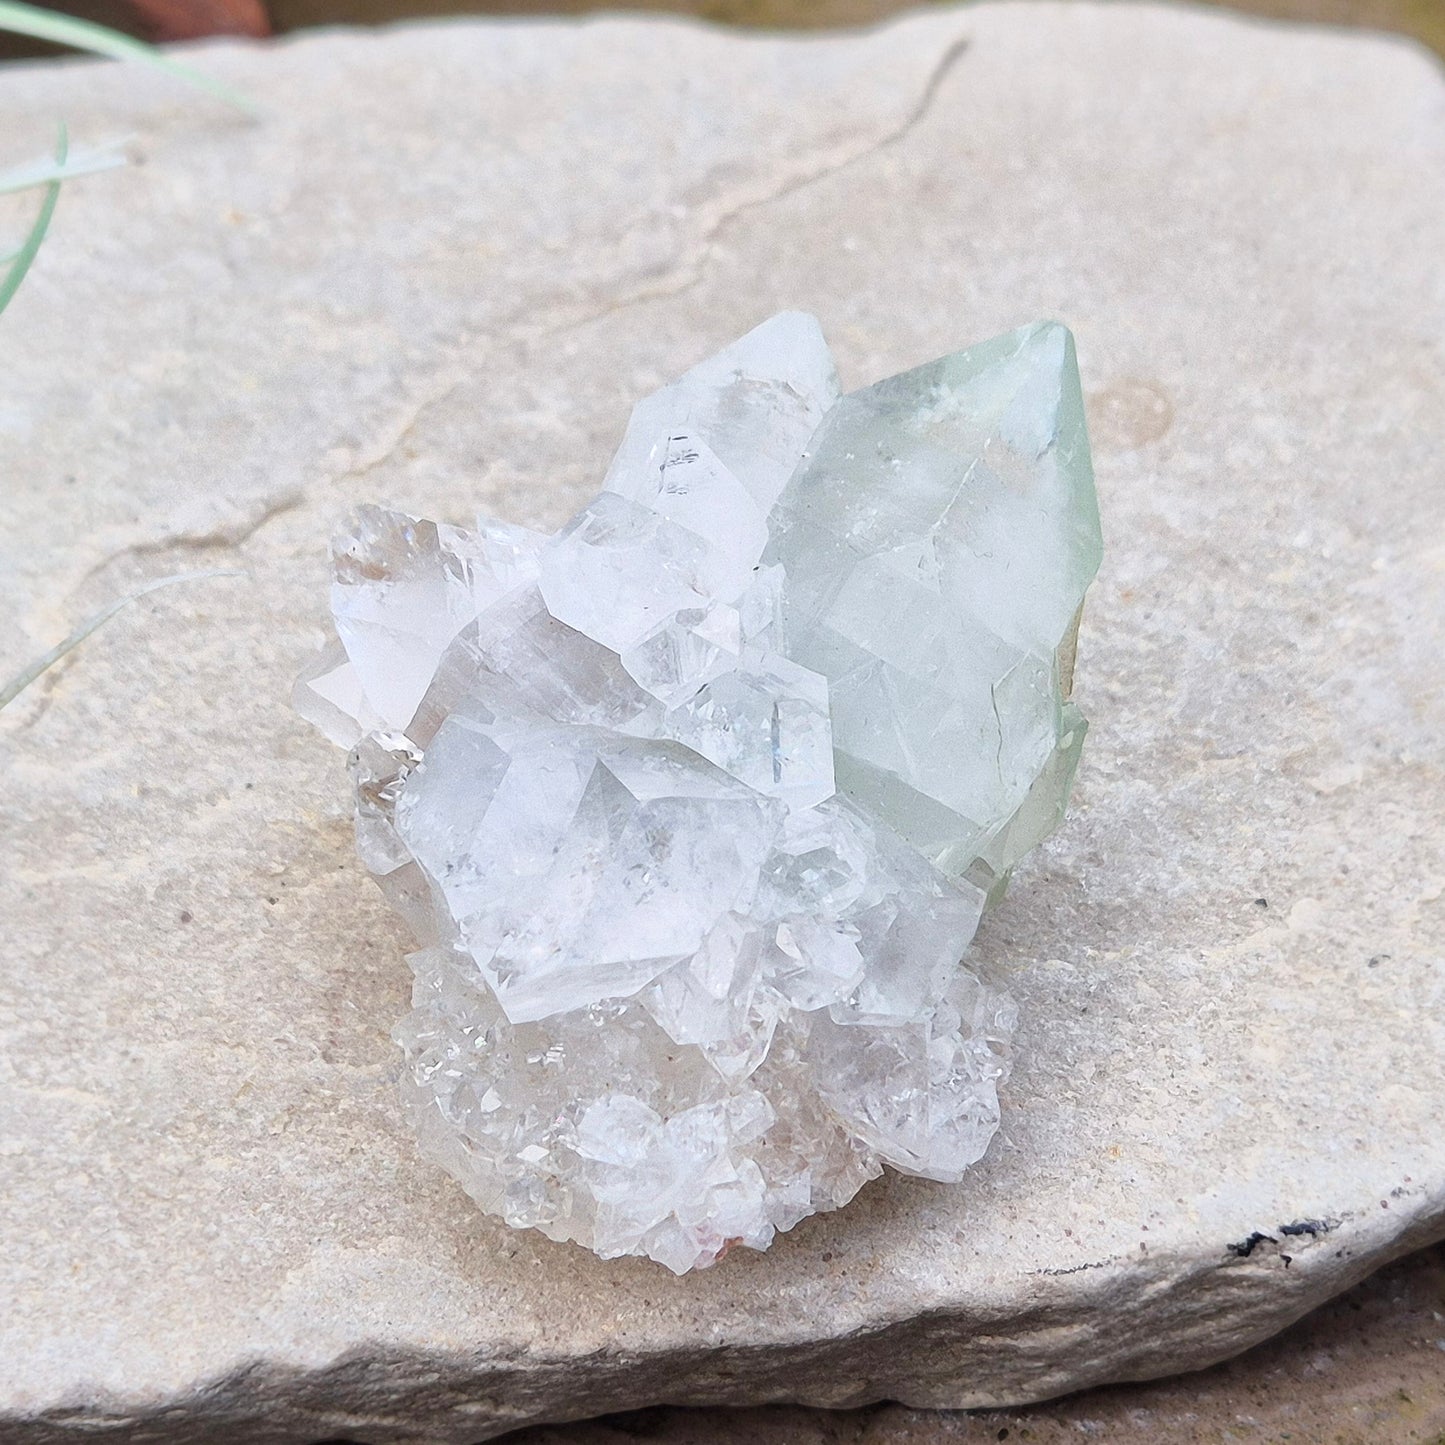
<point>227,533</point>
<point>381,452</point>
<point>942,68</point>
<point>515,328</point>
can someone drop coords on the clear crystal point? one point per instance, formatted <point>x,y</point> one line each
<point>694,806</point>
<point>755,405</point>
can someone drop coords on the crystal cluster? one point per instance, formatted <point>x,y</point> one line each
<point>694,806</point>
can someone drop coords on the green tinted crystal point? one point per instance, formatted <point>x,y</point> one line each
<point>938,541</point>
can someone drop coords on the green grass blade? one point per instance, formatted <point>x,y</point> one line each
<point>22,19</point>
<point>42,173</point>
<point>12,689</point>
<point>21,264</point>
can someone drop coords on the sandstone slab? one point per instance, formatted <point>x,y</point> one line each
<point>438,273</point>
<point>1363,1369</point>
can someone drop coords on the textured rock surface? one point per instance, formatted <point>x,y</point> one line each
<point>1363,1369</point>
<point>1228,962</point>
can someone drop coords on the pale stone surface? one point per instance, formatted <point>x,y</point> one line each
<point>400,286</point>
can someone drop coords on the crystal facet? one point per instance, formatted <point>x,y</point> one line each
<point>694,806</point>
<point>959,497</point>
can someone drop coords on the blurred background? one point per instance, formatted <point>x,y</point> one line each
<point>162,20</point>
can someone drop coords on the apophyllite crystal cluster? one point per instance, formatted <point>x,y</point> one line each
<point>694,806</point>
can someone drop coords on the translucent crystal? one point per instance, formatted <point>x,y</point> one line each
<point>694,807</point>
<point>959,497</point>
<point>755,405</point>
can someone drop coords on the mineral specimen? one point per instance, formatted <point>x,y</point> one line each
<point>694,806</point>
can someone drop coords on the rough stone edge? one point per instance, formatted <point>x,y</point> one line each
<point>1105,1323</point>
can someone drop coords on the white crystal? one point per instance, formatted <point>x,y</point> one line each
<point>646,790</point>
<point>755,405</point>
<point>685,482</point>
<point>765,721</point>
<point>618,571</point>
<point>575,864</point>
<point>405,588</point>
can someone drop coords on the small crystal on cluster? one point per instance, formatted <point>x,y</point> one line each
<point>694,806</point>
